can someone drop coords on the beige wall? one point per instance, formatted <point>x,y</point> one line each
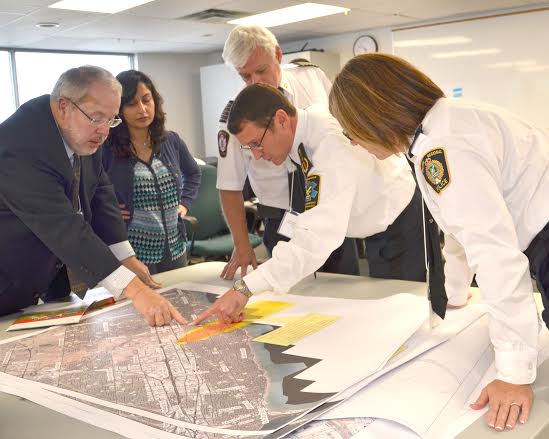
<point>177,78</point>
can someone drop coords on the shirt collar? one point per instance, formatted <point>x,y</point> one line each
<point>299,136</point>
<point>68,150</point>
<point>285,85</point>
<point>413,141</point>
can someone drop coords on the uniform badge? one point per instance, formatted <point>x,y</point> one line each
<point>226,111</point>
<point>312,191</point>
<point>222,142</point>
<point>302,62</point>
<point>434,168</point>
<point>305,162</point>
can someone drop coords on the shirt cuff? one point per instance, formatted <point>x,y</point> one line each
<point>117,281</point>
<point>256,282</point>
<point>457,297</point>
<point>122,250</point>
<point>516,367</point>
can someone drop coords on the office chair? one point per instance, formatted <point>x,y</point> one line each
<point>208,234</point>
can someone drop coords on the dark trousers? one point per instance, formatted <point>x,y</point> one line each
<point>13,297</point>
<point>399,251</point>
<point>538,256</point>
<point>343,260</point>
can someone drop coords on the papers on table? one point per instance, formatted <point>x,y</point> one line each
<point>68,310</point>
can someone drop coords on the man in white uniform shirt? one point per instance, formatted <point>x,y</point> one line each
<point>348,193</point>
<point>254,52</point>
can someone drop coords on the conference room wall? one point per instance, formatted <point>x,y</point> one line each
<point>177,78</point>
<point>178,75</point>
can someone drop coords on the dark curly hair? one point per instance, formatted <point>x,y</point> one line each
<point>119,137</point>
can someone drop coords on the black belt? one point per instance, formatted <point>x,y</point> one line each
<point>269,212</point>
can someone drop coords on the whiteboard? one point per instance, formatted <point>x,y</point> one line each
<point>500,60</point>
<point>219,83</point>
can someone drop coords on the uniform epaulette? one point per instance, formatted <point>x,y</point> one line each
<point>302,62</point>
<point>226,111</point>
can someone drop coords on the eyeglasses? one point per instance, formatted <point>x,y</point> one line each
<point>258,146</point>
<point>111,123</point>
<point>346,134</point>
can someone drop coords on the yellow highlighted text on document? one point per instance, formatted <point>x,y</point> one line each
<point>297,329</point>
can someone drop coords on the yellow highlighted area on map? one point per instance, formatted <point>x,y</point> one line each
<point>259,310</point>
<point>297,329</point>
<point>253,312</point>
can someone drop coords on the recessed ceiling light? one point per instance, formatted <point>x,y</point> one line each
<point>292,14</point>
<point>47,25</point>
<point>101,6</point>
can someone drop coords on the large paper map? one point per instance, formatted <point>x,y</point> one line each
<point>221,384</point>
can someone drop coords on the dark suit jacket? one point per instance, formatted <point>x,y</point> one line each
<point>39,230</point>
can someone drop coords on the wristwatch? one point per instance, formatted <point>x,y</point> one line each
<point>241,287</point>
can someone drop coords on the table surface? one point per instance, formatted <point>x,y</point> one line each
<point>22,419</point>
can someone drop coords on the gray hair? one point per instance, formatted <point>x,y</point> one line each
<point>243,40</point>
<point>75,82</point>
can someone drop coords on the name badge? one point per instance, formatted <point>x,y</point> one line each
<point>287,224</point>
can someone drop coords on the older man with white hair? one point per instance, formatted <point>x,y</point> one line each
<point>255,54</point>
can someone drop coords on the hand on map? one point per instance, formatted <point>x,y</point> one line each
<point>141,270</point>
<point>228,308</point>
<point>156,309</point>
<point>241,257</point>
<point>507,404</point>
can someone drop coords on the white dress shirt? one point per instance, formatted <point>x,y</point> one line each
<point>358,196</point>
<point>493,206</point>
<point>303,86</point>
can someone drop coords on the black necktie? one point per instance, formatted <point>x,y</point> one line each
<point>296,184</point>
<point>76,169</point>
<point>297,180</point>
<point>436,291</point>
<point>435,268</point>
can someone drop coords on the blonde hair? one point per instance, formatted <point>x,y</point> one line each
<point>243,40</point>
<point>382,99</point>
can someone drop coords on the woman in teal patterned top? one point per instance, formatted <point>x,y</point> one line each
<point>154,175</point>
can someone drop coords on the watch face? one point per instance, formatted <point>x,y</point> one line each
<point>364,44</point>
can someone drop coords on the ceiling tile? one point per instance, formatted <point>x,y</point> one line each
<point>23,7</point>
<point>6,18</point>
<point>153,27</point>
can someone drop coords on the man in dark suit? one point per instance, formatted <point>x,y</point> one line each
<point>57,206</point>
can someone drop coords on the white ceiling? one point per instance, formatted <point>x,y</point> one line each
<point>155,27</point>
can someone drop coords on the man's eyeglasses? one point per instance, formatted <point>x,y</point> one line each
<point>258,146</point>
<point>346,134</point>
<point>111,123</point>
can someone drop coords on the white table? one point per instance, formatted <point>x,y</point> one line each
<point>21,419</point>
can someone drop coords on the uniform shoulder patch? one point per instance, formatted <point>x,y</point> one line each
<point>226,111</point>
<point>222,142</point>
<point>434,168</point>
<point>312,191</point>
<point>302,62</point>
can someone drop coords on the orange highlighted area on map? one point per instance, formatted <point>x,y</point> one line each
<point>254,311</point>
